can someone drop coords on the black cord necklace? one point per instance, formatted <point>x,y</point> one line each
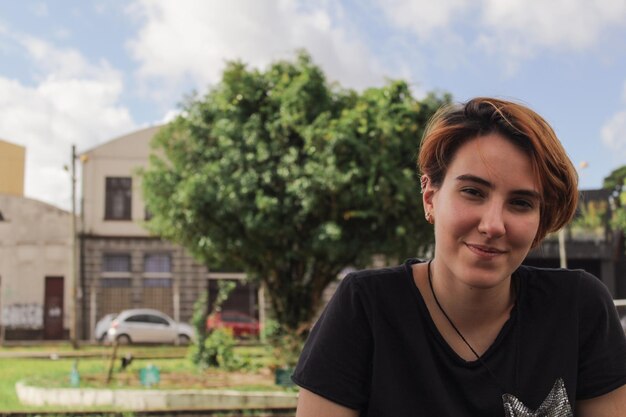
<point>478,357</point>
<point>430,282</point>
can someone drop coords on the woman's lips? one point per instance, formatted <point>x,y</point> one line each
<point>484,251</point>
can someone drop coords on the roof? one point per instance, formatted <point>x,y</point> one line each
<point>119,145</point>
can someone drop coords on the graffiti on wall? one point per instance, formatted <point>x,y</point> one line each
<point>24,316</point>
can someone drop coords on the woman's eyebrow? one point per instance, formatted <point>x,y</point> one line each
<point>474,178</point>
<point>484,182</point>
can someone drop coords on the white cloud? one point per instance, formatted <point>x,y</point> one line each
<point>65,63</point>
<point>512,30</point>
<point>39,9</point>
<point>613,132</point>
<point>568,24</point>
<point>62,33</point>
<point>169,116</point>
<point>70,102</point>
<point>424,17</point>
<point>188,42</point>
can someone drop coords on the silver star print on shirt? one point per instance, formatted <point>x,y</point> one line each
<point>556,404</point>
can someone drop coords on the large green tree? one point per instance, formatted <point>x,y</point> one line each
<point>616,182</point>
<point>291,178</point>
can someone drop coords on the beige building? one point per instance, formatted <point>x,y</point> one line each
<point>112,198</point>
<point>122,265</point>
<point>12,159</point>
<point>35,269</point>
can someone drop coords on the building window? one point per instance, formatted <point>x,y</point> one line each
<point>157,282</point>
<point>157,263</point>
<point>118,198</point>
<point>115,282</point>
<point>116,263</point>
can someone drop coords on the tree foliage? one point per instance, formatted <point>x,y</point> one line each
<point>616,182</point>
<point>292,179</point>
<point>217,348</point>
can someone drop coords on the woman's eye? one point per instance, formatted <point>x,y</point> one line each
<point>523,204</point>
<point>471,192</point>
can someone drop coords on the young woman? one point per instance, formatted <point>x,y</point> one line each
<point>472,332</point>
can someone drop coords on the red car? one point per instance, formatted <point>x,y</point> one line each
<point>242,325</point>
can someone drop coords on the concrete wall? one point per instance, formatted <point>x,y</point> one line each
<point>35,242</point>
<point>154,399</point>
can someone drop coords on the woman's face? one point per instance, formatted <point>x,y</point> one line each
<point>486,212</point>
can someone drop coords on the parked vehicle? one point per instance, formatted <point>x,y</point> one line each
<point>102,327</point>
<point>148,326</point>
<point>242,325</point>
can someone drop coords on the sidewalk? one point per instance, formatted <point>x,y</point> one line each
<point>78,354</point>
<point>55,350</point>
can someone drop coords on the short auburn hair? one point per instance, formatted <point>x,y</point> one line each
<point>453,125</point>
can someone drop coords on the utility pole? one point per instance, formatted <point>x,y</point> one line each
<point>562,245</point>
<point>74,308</point>
<point>562,252</point>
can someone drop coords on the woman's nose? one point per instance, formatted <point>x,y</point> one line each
<point>492,221</point>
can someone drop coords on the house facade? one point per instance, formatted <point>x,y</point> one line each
<point>35,269</point>
<point>122,265</point>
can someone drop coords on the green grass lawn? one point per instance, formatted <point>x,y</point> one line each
<point>13,370</point>
<point>55,371</point>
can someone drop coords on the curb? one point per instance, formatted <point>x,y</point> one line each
<point>153,399</point>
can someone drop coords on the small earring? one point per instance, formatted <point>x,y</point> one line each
<point>429,217</point>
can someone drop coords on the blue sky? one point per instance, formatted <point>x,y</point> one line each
<point>84,72</point>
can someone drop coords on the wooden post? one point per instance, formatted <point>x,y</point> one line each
<point>74,298</point>
<point>112,362</point>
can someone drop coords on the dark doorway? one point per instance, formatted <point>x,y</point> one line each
<point>53,309</point>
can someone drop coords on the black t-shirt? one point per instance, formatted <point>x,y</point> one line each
<point>376,349</point>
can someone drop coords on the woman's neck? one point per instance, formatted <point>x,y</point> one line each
<point>471,304</point>
<point>478,313</point>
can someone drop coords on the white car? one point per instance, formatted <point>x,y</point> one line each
<point>145,325</point>
<point>102,327</point>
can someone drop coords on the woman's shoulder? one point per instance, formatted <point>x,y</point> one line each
<point>557,274</point>
<point>575,281</point>
<point>383,275</point>
<point>374,274</point>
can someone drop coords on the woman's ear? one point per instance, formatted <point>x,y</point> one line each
<point>428,192</point>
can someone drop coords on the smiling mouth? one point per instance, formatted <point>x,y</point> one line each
<point>486,251</point>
